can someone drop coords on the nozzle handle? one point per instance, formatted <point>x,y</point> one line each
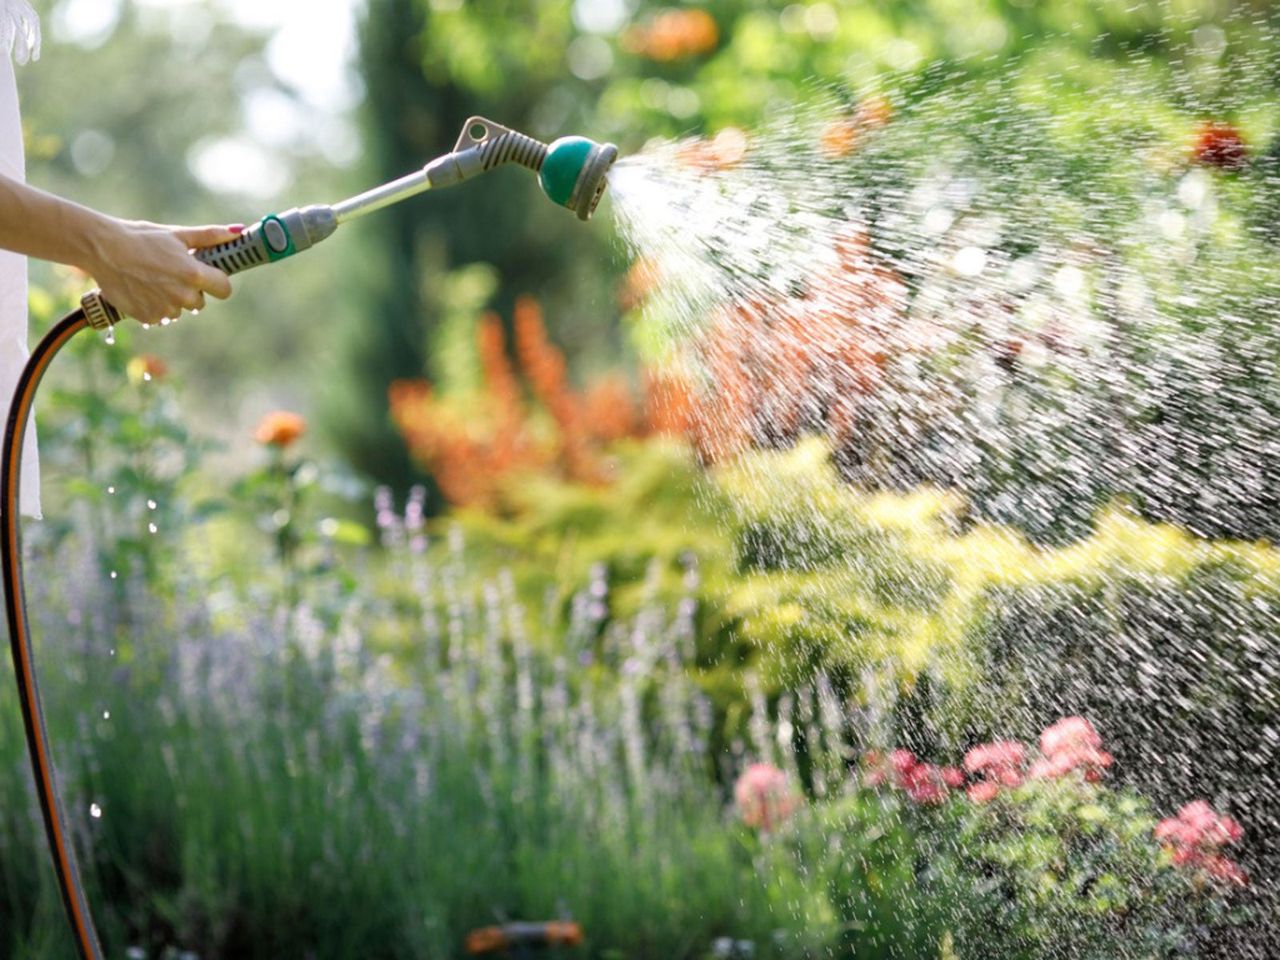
<point>272,238</point>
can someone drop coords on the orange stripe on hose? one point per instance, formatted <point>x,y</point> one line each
<point>82,923</point>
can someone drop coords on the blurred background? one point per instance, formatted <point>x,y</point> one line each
<point>405,594</point>
<point>191,111</point>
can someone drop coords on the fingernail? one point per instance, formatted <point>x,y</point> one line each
<point>236,228</point>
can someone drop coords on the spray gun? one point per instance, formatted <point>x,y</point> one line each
<point>572,172</point>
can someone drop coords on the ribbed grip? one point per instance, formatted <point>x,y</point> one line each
<point>245,251</point>
<point>513,147</point>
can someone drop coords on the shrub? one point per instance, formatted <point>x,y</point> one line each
<point>1032,856</point>
<point>951,635</point>
<point>477,447</point>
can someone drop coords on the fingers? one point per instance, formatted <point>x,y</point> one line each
<point>212,281</point>
<point>193,301</point>
<point>150,305</point>
<point>150,273</point>
<point>208,279</point>
<point>209,236</point>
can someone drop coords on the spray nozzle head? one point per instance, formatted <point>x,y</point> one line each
<point>572,171</point>
<point>574,174</point>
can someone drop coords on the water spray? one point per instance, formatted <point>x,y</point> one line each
<point>572,172</point>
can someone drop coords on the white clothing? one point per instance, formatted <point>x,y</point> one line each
<point>19,38</point>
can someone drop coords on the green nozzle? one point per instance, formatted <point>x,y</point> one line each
<point>573,173</point>
<point>572,170</point>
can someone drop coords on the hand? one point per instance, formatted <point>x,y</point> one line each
<point>147,271</point>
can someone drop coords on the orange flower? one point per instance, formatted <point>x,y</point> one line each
<point>280,428</point>
<point>669,404</point>
<point>838,138</point>
<point>843,136</point>
<point>608,410</point>
<point>144,367</point>
<point>724,151</point>
<point>473,446</point>
<point>547,372</point>
<point>673,35</point>
<point>639,282</point>
<point>874,111</point>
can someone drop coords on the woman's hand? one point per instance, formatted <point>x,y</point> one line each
<point>147,271</point>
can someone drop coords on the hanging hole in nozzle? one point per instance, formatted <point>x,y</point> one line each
<point>477,131</point>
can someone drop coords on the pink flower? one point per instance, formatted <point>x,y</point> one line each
<point>764,797</point>
<point>953,777</point>
<point>1000,761</point>
<point>1069,733</point>
<point>983,792</point>
<point>1221,868</point>
<point>1007,776</point>
<point>903,762</point>
<point>902,765</point>
<point>1195,838</point>
<point>1072,757</point>
<point>1198,815</point>
<point>1226,830</point>
<point>923,785</point>
<point>1187,857</point>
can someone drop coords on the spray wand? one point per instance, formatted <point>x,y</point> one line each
<point>572,172</point>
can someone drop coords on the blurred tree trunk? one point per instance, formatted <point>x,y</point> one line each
<point>413,112</point>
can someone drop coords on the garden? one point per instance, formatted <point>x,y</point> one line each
<point>857,541</point>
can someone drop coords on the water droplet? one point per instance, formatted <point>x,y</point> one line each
<point>151,527</point>
<point>1069,280</point>
<point>110,336</point>
<point>106,714</point>
<point>111,489</point>
<point>146,377</point>
<point>969,261</point>
<point>1172,224</point>
<point>95,811</point>
<point>113,574</point>
<point>151,504</point>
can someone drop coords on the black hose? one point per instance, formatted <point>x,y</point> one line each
<point>51,806</point>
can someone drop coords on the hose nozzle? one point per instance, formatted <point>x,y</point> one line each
<point>572,171</point>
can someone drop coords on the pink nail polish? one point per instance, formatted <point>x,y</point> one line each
<point>236,228</point>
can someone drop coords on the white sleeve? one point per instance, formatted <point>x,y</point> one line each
<point>13,288</point>
<point>19,31</point>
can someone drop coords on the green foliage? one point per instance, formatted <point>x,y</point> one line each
<point>511,715</point>
<point>276,790</point>
<point>112,439</point>
<point>1049,867</point>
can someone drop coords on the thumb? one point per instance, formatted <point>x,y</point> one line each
<point>209,236</point>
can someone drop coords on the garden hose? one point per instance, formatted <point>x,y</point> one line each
<point>572,172</point>
<point>51,806</point>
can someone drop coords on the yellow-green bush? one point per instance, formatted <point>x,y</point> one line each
<point>1167,642</point>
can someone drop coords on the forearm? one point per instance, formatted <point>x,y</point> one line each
<point>47,227</point>
<point>146,270</point>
